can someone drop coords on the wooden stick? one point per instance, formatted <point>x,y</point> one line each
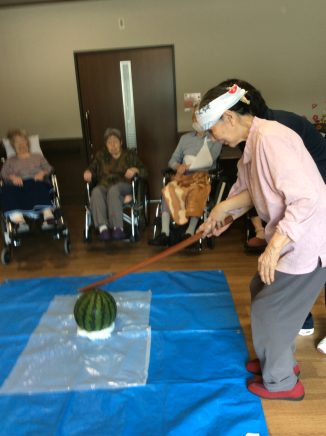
<point>171,250</point>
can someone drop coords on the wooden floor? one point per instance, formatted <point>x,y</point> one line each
<point>40,256</point>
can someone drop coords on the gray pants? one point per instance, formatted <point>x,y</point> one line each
<point>277,314</point>
<point>107,204</point>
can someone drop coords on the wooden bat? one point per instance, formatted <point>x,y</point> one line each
<point>137,266</point>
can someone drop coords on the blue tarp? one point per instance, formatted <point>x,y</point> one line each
<point>196,379</point>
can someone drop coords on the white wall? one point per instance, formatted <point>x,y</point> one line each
<point>278,45</point>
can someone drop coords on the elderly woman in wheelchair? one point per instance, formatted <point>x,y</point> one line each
<point>111,173</point>
<point>26,190</point>
<point>186,184</point>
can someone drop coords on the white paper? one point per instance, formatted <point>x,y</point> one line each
<point>203,158</point>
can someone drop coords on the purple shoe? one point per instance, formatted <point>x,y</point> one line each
<point>118,234</point>
<point>105,235</point>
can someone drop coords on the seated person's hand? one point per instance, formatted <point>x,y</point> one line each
<point>87,176</point>
<point>39,176</point>
<point>181,169</point>
<point>130,173</point>
<point>17,181</point>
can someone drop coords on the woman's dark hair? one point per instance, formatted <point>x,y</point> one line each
<point>257,106</point>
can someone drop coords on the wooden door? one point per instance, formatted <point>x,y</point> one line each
<point>101,102</point>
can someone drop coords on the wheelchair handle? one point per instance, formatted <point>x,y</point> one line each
<point>171,250</point>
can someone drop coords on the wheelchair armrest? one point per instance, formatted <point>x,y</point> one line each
<point>90,185</point>
<point>168,172</point>
<point>88,189</point>
<point>137,184</point>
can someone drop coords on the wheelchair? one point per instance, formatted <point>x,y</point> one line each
<point>135,210</point>
<point>12,233</point>
<point>219,191</point>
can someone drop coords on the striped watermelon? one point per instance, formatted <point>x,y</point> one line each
<point>95,310</point>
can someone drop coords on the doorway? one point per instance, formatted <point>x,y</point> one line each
<point>103,89</point>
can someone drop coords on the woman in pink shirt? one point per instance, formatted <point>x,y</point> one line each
<point>278,176</point>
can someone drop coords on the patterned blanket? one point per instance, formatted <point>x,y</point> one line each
<point>186,196</point>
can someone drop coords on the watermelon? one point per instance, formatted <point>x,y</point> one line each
<point>95,310</point>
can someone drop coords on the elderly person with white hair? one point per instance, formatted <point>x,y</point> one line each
<point>26,191</point>
<point>278,176</point>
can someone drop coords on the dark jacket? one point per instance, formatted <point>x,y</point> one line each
<point>108,171</point>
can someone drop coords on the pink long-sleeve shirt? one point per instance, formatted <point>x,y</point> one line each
<point>288,192</point>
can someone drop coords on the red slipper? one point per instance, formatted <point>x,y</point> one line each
<point>256,242</point>
<point>254,367</point>
<point>256,379</point>
<point>294,394</point>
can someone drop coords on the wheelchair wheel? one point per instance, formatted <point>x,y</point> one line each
<point>210,242</point>
<point>66,246</point>
<point>88,236</point>
<point>136,236</point>
<point>5,256</point>
<point>146,209</point>
<point>157,220</point>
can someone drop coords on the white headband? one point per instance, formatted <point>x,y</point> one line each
<point>208,115</point>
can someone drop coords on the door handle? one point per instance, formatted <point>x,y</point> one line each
<point>88,134</point>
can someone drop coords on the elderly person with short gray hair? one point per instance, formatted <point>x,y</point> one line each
<point>113,169</point>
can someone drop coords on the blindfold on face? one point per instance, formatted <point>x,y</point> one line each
<point>208,115</point>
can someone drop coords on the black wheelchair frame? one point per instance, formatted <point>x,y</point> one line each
<point>219,185</point>
<point>135,212</point>
<point>12,236</point>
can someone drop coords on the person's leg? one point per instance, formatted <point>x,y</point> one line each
<point>322,344</point>
<point>165,218</point>
<point>256,243</point>
<point>321,347</point>
<point>192,225</point>
<point>308,326</point>
<point>277,313</point>
<point>47,214</point>
<point>258,226</point>
<point>163,238</point>
<point>115,197</point>
<point>98,208</point>
<point>16,217</point>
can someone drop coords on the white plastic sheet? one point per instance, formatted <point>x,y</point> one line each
<point>56,359</point>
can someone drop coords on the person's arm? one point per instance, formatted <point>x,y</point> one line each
<point>177,156</point>
<point>135,166</point>
<point>15,180</point>
<point>268,260</point>
<point>87,176</point>
<point>291,176</point>
<point>45,169</point>
<point>6,169</point>
<point>8,173</point>
<point>215,223</point>
<point>131,172</point>
<point>45,166</point>
<point>93,169</point>
<point>236,188</point>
